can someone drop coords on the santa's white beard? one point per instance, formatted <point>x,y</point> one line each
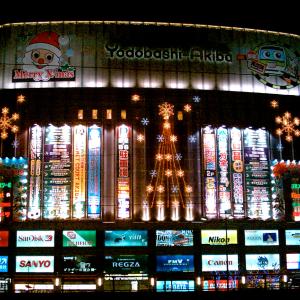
<point>29,66</point>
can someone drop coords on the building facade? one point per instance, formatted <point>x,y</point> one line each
<point>144,156</point>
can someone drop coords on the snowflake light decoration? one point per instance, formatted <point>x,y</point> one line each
<point>174,189</point>
<point>178,156</point>
<point>288,126</point>
<point>145,121</point>
<point>166,110</point>
<point>153,173</point>
<point>192,138</point>
<point>160,138</point>
<point>6,123</point>
<point>196,99</point>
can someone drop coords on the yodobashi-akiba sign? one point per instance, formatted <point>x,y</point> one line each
<point>220,262</point>
<point>35,238</point>
<point>145,53</point>
<point>292,237</point>
<point>266,237</point>
<point>35,264</point>
<point>218,237</point>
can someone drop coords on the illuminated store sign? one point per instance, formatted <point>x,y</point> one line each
<point>219,237</point>
<point>256,262</point>
<point>123,184</point>
<point>13,200</point>
<point>126,264</point>
<point>256,158</point>
<point>295,195</point>
<point>209,156</point>
<point>145,53</point>
<point>220,284</point>
<point>4,284</point>
<point>79,238</point>
<point>175,285</point>
<point>79,264</point>
<point>3,264</point>
<point>174,238</point>
<point>35,165</point>
<point>237,169</point>
<point>35,238</point>
<point>4,235</point>
<point>293,261</point>
<point>223,170</point>
<point>34,264</point>
<point>261,237</point>
<point>175,263</point>
<point>292,237</point>
<point>57,172</point>
<point>79,171</point>
<point>124,238</point>
<point>220,262</point>
<point>94,172</point>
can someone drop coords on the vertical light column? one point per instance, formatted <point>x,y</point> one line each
<point>94,171</point>
<point>123,179</point>
<point>223,172</point>
<point>258,182</point>
<point>79,171</point>
<point>35,156</point>
<point>57,172</point>
<point>237,169</point>
<point>209,164</point>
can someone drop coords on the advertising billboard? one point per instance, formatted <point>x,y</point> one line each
<point>220,262</point>
<point>3,264</point>
<point>35,264</point>
<point>35,238</point>
<point>174,238</point>
<point>126,264</point>
<point>220,284</point>
<point>126,238</point>
<point>175,263</point>
<point>79,264</point>
<point>292,237</point>
<point>268,237</point>
<point>79,238</point>
<point>175,285</point>
<point>293,261</point>
<point>219,237</point>
<point>258,262</point>
<point>4,235</point>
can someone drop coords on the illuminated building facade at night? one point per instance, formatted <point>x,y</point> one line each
<point>144,157</point>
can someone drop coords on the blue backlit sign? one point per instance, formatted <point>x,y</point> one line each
<point>126,238</point>
<point>175,263</point>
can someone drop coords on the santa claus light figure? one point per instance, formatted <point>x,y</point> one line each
<point>42,55</point>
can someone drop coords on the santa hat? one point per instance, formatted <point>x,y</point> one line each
<point>47,40</point>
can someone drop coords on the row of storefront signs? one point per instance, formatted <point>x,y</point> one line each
<point>139,238</point>
<point>138,263</point>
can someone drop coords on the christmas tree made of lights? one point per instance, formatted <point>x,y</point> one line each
<point>167,189</point>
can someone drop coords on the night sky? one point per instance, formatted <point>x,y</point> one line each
<point>255,14</point>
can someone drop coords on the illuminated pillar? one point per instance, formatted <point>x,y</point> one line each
<point>94,172</point>
<point>79,172</point>
<point>209,165</point>
<point>35,163</point>
<point>123,178</point>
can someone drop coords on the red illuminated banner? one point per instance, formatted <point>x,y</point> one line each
<point>4,238</point>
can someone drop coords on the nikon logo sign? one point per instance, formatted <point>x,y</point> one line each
<point>177,54</point>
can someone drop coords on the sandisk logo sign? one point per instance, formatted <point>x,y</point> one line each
<point>35,264</point>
